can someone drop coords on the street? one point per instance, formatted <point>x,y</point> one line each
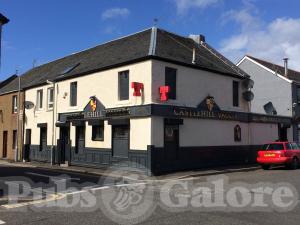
<point>69,209</point>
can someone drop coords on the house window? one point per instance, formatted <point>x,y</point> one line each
<point>170,80</point>
<point>235,93</point>
<point>298,95</point>
<point>237,133</point>
<point>14,141</point>
<point>15,104</point>
<point>73,94</point>
<point>124,85</point>
<point>39,100</point>
<point>97,133</point>
<point>50,98</point>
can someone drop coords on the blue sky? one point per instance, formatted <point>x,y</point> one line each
<point>41,31</point>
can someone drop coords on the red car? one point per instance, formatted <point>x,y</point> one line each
<point>279,153</point>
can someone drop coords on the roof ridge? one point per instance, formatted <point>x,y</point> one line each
<point>255,58</point>
<point>153,40</point>
<point>75,53</point>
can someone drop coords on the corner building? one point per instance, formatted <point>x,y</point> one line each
<point>151,100</point>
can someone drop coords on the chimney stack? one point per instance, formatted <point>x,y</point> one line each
<point>286,69</point>
<point>197,38</point>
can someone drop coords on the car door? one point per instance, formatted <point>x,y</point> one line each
<point>296,150</point>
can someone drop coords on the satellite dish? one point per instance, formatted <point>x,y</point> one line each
<point>270,109</point>
<point>28,105</point>
<point>248,96</point>
<point>248,83</point>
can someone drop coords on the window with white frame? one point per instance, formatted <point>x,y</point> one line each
<point>39,100</point>
<point>50,98</point>
<point>15,104</point>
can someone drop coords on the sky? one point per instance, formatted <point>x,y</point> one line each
<point>40,31</point>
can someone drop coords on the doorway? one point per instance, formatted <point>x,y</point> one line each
<point>43,138</point>
<point>171,139</point>
<point>282,132</point>
<point>4,153</point>
<point>64,137</point>
<point>120,141</point>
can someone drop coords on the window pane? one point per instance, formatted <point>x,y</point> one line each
<point>124,85</point>
<point>40,99</point>
<point>170,80</point>
<point>97,133</point>
<point>73,94</point>
<point>235,93</point>
<point>298,94</point>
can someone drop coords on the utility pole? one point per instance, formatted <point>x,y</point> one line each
<point>3,20</point>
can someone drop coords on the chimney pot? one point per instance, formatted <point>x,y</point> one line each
<point>286,69</point>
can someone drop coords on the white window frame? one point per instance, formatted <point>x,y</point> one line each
<point>50,104</point>
<point>15,104</point>
<point>39,99</point>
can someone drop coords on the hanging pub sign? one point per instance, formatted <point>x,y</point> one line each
<point>94,109</point>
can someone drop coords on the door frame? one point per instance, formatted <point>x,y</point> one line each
<point>4,144</point>
<point>112,140</point>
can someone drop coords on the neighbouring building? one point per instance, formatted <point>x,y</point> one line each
<point>277,92</point>
<point>11,119</point>
<point>153,99</point>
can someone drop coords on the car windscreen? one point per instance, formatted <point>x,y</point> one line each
<point>270,147</point>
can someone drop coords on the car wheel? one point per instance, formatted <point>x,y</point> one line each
<point>295,163</point>
<point>265,167</point>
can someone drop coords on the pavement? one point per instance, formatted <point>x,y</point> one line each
<point>104,199</point>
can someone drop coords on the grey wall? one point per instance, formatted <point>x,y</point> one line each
<point>268,87</point>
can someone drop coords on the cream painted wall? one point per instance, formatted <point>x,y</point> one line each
<point>193,86</point>
<point>140,133</point>
<point>104,85</point>
<point>35,116</point>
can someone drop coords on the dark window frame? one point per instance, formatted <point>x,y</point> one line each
<point>235,94</point>
<point>39,99</point>
<point>15,139</point>
<point>94,133</point>
<point>123,85</point>
<point>171,81</point>
<point>73,94</point>
<point>14,104</point>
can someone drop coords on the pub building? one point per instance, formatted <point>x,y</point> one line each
<point>153,100</point>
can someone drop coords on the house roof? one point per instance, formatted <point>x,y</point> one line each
<point>292,74</point>
<point>151,43</point>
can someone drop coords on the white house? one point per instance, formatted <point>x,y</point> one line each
<point>152,100</point>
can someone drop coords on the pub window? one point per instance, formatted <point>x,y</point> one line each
<point>73,94</point>
<point>14,141</point>
<point>170,80</point>
<point>97,133</point>
<point>298,95</point>
<point>50,98</point>
<point>15,104</point>
<point>235,93</point>
<point>39,99</point>
<point>123,85</point>
<point>237,133</point>
<point>80,138</point>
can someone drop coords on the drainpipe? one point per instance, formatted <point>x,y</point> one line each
<point>18,119</point>
<point>53,121</point>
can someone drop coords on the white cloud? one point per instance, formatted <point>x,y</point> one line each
<point>184,5</point>
<point>271,41</point>
<point>115,13</point>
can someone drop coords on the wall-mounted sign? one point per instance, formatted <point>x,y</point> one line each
<point>94,109</point>
<point>137,88</point>
<point>117,112</point>
<point>209,104</point>
<point>164,91</point>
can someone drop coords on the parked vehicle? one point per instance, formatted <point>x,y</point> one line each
<point>279,153</point>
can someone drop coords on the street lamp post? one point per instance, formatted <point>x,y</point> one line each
<point>3,20</point>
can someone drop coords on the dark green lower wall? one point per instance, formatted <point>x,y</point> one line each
<point>157,160</point>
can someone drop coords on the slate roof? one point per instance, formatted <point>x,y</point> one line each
<point>151,43</point>
<point>292,74</point>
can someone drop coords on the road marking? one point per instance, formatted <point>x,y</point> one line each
<point>51,177</point>
<point>2,222</point>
